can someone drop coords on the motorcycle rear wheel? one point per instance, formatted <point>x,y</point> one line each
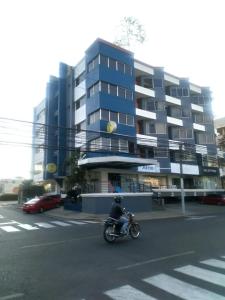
<point>135,230</point>
<point>107,234</point>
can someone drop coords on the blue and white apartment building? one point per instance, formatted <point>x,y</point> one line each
<point>159,122</point>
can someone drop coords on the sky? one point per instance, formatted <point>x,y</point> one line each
<point>186,37</point>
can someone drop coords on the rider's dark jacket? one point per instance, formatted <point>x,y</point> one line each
<point>116,211</point>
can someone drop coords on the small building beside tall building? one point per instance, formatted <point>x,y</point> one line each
<point>134,124</point>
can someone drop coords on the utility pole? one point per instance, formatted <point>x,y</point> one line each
<point>181,179</point>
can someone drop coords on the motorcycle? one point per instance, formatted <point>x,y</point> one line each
<point>112,231</point>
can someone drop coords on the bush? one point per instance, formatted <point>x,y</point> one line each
<point>8,197</point>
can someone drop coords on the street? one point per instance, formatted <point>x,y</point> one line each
<point>47,258</point>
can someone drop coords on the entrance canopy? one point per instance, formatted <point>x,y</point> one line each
<point>116,161</point>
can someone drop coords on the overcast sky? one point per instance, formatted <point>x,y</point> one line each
<point>184,37</point>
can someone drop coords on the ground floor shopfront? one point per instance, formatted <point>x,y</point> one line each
<point>118,180</point>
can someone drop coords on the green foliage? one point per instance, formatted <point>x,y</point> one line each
<point>131,32</point>
<point>8,197</point>
<point>29,190</point>
<point>77,174</point>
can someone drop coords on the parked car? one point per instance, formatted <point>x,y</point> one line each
<point>218,199</point>
<point>40,204</point>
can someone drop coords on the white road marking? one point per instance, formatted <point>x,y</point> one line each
<point>8,223</point>
<point>203,274</point>
<point>127,292</point>
<point>91,222</point>
<point>44,225</point>
<point>9,228</point>
<point>77,222</point>
<point>181,289</point>
<point>214,263</point>
<point>60,223</point>
<point>27,227</point>
<point>1,217</point>
<point>199,218</point>
<point>12,296</point>
<point>155,260</point>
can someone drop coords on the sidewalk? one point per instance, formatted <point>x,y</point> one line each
<point>169,211</point>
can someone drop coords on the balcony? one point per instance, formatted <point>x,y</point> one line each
<point>174,121</point>
<point>146,140</point>
<point>198,127</point>
<point>173,100</point>
<point>80,114</point>
<point>196,107</point>
<point>145,114</point>
<point>142,91</point>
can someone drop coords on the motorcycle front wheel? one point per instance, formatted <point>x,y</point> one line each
<point>135,230</point>
<point>108,234</point>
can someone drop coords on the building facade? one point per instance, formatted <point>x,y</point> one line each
<point>134,124</point>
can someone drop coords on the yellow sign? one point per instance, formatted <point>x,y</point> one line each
<point>51,168</point>
<point>111,127</point>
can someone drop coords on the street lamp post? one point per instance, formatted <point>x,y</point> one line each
<point>181,179</point>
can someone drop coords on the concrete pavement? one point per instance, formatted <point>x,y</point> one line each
<point>168,211</point>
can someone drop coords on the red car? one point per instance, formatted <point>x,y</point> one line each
<point>213,199</point>
<point>40,204</point>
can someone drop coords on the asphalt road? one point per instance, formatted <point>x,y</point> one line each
<point>47,258</point>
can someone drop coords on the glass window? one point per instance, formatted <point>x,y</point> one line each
<point>114,116</point>
<point>120,66</point>
<point>104,87</point>
<point>150,105</point>
<point>114,144</point>
<point>123,145</point>
<point>105,143</point>
<point>94,117</point>
<point>105,114</point>
<point>128,69</point>
<point>113,90</point>
<point>103,60</point>
<point>158,83</point>
<point>189,133</point>
<point>147,83</point>
<point>112,63</point>
<point>122,118</point>
<point>96,88</point>
<point>185,92</point>
<point>77,104</point>
<point>150,127</point>
<point>129,94</point>
<point>121,91</point>
<point>162,152</point>
<point>173,92</point>
<point>179,92</point>
<point>130,120</point>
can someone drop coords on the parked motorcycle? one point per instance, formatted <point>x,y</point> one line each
<point>112,231</point>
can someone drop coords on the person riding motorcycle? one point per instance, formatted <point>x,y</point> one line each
<point>117,212</point>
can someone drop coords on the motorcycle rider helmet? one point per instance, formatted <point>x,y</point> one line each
<point>118,199</point>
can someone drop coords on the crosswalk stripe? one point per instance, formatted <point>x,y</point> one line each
<point>214,263</point>
<point>9,228</point>
<point>77,222</point>
<point>206,275</point>
<point>127,292</point>
<point>27,226</point>
<point>91,222</point>
<point>181,289</point>
<point>60,223</point>
<point>44,225</point>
